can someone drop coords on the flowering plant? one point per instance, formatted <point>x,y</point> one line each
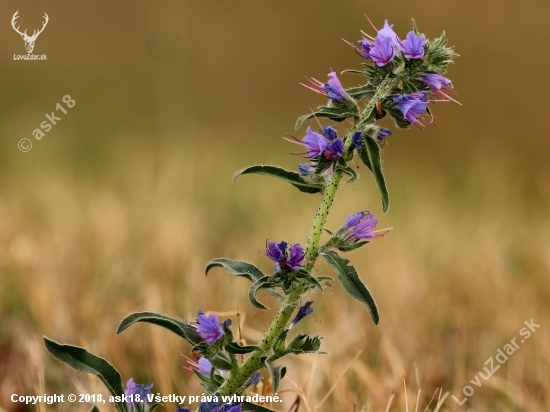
<point>402,78</point>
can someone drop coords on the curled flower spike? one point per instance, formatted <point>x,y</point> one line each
<point>136,392</point>
<point>303,311</point>
<point>285,260</point>
<point>439,86</point>
<point>332,89</point>
<point>209,328</point>
<point>413,46</point>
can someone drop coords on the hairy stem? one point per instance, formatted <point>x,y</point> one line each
<point>236,380</point>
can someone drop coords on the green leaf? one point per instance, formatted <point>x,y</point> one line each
<point>262,283</point>
<point>373,152</point>
<point>252,407</point>
<point>279,344</point>
<point>302,274</point>
<point>236,349</point>
<point>80,359</point>
<point>335,113</point>
<point>236,268</point>
<point>220,362</point>
<point>277,373</point>
<point>179,327</point>
<point>94,409</point>
<point>154,406</point>
<point>352,283</point>
<point>362,91</point>
<point>350,172</point>
<point>289,176</point>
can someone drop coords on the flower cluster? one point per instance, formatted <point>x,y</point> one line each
<point>322,149</point>
<point>285,258</point>
<point>383,48</point>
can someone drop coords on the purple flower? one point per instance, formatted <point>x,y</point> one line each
<point>203,366</point>
<point>254,379</point>
<point>330,133</point>
<point>315,143</point>
<point>364,48</point>
<point>384,51</point>
<point>327,145</point>
<point>291,260</point>
<point>136,392</point>
<point>305,169</point>
<point>333,89</point>
<point>182,409</point>
<point>357,140</point>
<point>231,407</point>
<point>303,311</point>
<point>413,46</point>
<point>439,85</point>
<point>209,328</point>
<point>382,133</point>
<point>359,227</point>
<point>387,32</point>
<point>412,106</point>
<point>334,150</point>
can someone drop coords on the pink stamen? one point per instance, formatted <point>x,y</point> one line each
<point>373,26</point>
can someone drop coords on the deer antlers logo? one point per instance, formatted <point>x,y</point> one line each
<point>29,40</point>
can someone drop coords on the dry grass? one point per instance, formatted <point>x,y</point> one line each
<point>454,282</point>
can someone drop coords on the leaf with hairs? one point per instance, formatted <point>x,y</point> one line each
<point>179,327</point>
<point>352,283</point>
<point>289,176</point>
<point>80,359</point>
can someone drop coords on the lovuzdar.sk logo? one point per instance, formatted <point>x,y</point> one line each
<point>29,40</point>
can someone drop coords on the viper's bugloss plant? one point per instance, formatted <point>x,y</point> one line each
<point>403,78</point>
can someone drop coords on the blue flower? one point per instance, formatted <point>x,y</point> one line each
<point>384,51</point>
<point>291,260</point>
<point>357,140</point>
<point>382,133</point>
<point>413,46</point>
<point>209,328</point>
<point>303,311</point>
<point>332,89</point>
<point>136,392</point>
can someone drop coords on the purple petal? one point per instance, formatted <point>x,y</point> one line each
<point>413,46</point>
<point>314,143</point>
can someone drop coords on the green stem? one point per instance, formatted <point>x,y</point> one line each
<point>238,378</point>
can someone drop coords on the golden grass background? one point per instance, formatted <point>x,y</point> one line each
<point>120,206</point>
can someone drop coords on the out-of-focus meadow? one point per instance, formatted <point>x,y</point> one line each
<point>119,207</point>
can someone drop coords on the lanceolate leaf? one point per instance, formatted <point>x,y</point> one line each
<point>371,150</point>
<point>84,361</point>
<point>235,349</point>
<point>277,373</point>
<point>302,274</point>
<point>179,327</point>
<point>236,268</point>
<point>289,176</point>
<point>352,283</point>
<point>259,284</point>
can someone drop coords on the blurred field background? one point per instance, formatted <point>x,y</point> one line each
<point>120,206</point>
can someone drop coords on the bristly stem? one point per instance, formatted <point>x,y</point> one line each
<point>236,380</point>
